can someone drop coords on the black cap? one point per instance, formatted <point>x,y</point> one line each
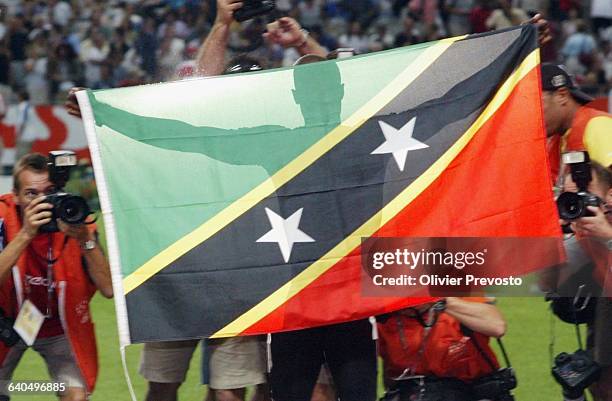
<point>554,77</point>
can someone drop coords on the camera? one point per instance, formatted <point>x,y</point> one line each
<point>253,8</point>
<point>575,372</point>
<point>7,334</point>
<point>72,209</point>
<point>572,205</point>
<point>496,386</point>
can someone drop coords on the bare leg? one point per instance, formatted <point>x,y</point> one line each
<point>230,395</point>
<point>261,393</point>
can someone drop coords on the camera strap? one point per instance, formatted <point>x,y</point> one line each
<point>470,333</point>
<point>50,290</point>
<point>432,313</point>
<point>579,308</point>
<point>50,261</point>
<point>575,308</point>
<point>553,338</point>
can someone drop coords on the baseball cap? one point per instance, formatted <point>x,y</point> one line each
<point>554,77</point>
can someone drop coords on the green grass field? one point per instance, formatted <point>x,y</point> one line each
<point>526,341</point>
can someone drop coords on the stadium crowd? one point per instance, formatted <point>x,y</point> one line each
<point>47,47</point>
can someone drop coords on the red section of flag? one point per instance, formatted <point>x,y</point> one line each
<point>498,186</point>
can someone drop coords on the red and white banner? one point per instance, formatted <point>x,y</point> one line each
<point>47,127</point>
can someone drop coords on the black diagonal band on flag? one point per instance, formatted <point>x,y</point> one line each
<point>231,272</point>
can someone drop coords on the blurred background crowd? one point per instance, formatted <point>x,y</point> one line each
<point>46,47</point>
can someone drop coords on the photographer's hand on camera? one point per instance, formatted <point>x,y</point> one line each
<point>594,226</point>
<point>35,215</point>
<point>210,60</point>
<point>76,231</point>
<point>225,11</point>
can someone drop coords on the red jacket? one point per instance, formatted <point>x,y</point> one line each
<point>74,291</point>
<point>448,353</point>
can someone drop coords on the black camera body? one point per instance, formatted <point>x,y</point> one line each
<point>253,8</point>
<point>496,386</point>
<point>8,335</point>
<point>573,205</point>
<point>575,372</point>
<point>72,209</point>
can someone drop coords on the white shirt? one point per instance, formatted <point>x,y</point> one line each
<point>601,8</point>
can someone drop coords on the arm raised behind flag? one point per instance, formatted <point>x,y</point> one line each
<point>211,55</point>
<point>285,31</point>
<point>544,33</point>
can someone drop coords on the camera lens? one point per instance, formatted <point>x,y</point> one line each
<point>570,206</point>
<point>73,209</point>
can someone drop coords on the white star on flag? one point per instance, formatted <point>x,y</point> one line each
<point>285,232</point>
<point>398,142</point>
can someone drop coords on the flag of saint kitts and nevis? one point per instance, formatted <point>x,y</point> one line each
<point>237,205</point>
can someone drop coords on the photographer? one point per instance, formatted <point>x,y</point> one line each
<point>593,226</point>
<point>440,351</point>
<point>595,236</point>
<point>579,289</point>
<point>599,224</point>
<point>56,273</point>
